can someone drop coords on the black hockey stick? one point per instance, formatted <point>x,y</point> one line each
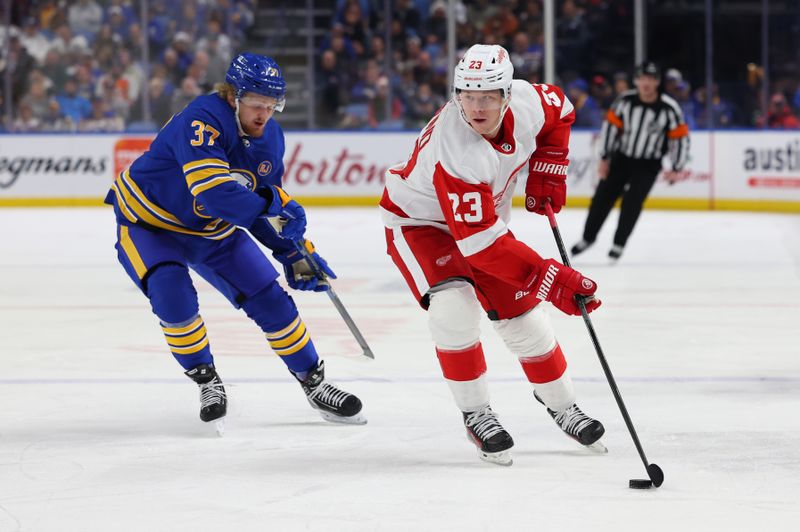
<point>653,471</point>
<point>301,248</point>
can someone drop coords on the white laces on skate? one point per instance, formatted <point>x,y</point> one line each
<point>212,393</point>
<point>572,420</point>
<point>329,395</point>
<point>484,423</point>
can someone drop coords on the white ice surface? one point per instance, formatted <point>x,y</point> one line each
<point>700,324</point>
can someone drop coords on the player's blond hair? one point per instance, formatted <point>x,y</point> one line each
<point>225,90</point>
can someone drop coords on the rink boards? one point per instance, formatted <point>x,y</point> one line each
<point>735,170</point>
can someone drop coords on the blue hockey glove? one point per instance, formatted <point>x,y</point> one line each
<point>299,273</point>
<point>286,216</point>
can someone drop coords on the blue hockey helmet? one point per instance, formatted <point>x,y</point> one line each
<point>258,74</point>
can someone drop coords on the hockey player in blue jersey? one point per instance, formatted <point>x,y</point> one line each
<point>213,169</point>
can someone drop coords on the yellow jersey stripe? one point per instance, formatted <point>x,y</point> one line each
<point>131,252</point>
<point>126,212</point>
<point>152,207</point>
<point>283,332</point>
<point>289,340</point>
<point>295,348</point>
<point>189,167</point>
<point>197,189</point>
<point>199,175</point>
<point>174,331</point>
<point>144,214</point>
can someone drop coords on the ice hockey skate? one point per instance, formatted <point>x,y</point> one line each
<point>213,399</point>
<point>579,426</point>
<point>489,436</point>
<point>333,404</point>
<point>615,253</point>
<point>580,247</point>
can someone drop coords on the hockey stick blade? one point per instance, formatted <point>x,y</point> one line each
<point>653,471</point>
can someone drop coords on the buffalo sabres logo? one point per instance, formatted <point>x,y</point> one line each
<point>264,168</point>
<point>271,72</point>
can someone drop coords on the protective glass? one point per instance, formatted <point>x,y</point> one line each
<point>489,101</point>
<point>255,102</point>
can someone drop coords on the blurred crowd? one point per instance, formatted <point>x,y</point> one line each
<point>360,86</point>
<point>76,65</point>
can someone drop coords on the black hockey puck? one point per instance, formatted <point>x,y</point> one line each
<point>640,483</point>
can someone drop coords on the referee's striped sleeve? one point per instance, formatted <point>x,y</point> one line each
<point>677,134</point>
<point>610,130</point>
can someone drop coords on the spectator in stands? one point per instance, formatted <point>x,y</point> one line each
<point>621,83</point>
<point>503,23</point>
<point>65,41</point>
<point>188,91</point>
<point>101,118</point>
<point>55,70</point>
<point>34,40</point>
<point>85,17</point>
<point>216,42</point>
<point>526,57</point>
<point>437,21</point>
<point>423,105</point>
<point>572,37</point>
<point>602,92</point>
<point>18,63</point>
<point>355,28</point>
<point>160,103</point>
<point>780,115</point>
<point>480,11</point>
<point>72,105</point>
<point>25,122</point>
<point>381,112</point>
<point>117,25</point>
<point>407,16</point>
<point>331,89</point>
<point>721,113</point>
<point>37,98</point>
<point>55,121</point>
<point>587,112</point>
<point>672,79</point>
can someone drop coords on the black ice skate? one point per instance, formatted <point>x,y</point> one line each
<point>578,426</point>
<point>489,436</point>
<point>333,404</point>
<point>213,400</point>
<point>615,252</point>
<point>580,247</point>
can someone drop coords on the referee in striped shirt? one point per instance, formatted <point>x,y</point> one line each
<point>641,126</point>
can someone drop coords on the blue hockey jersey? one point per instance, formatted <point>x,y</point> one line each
<point>199,175</point>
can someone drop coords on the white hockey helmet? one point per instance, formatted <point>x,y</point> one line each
<point>484,67</point>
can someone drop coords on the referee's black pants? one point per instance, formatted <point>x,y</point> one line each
<point>630,178</point>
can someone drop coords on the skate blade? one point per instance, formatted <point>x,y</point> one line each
<point>597,447</point>
<point>357,419</point>
<point>219,426</point>
<point>502,458</point>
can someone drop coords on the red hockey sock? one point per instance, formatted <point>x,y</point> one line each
<point>544,368</point>
<point>463,364</point>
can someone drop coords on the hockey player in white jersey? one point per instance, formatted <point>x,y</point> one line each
<point>446,212</point>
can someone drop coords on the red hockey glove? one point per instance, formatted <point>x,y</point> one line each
<point>560,285</point>
<point>547,181</point>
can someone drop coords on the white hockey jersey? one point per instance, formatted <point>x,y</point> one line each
<point>463,183</point>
